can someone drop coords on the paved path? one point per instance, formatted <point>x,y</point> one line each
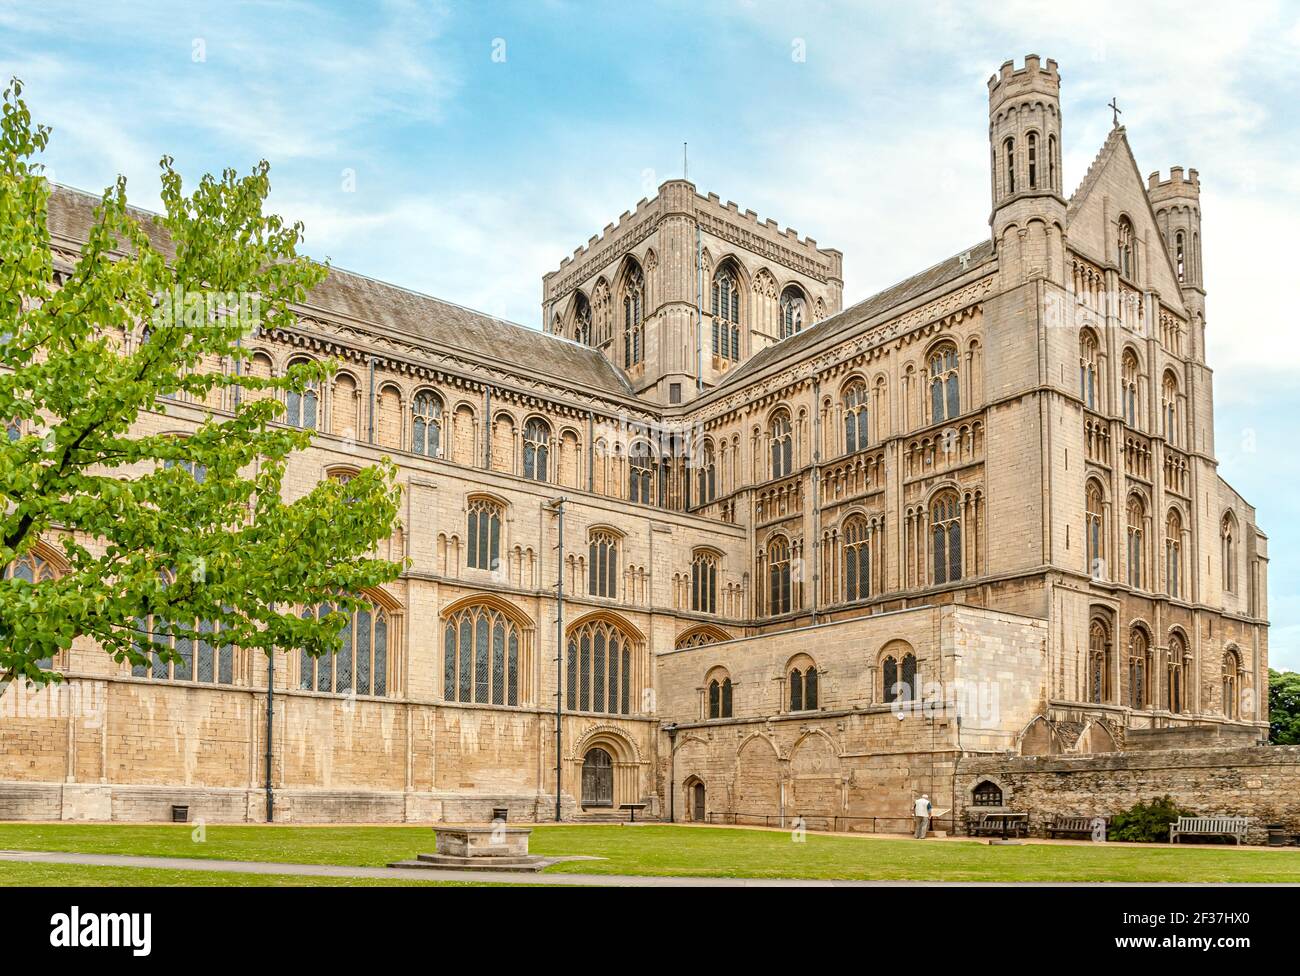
<point>509,877</point>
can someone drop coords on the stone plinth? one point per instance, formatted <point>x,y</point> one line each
<point>493,840</point>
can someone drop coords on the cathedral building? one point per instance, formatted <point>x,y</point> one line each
<point>757,555</point>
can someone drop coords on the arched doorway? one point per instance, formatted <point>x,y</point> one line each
<point>597,779</point>
<point>697,802</point>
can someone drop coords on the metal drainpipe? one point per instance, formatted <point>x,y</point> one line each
<point>487,427</point>
<point>270,731</point>
<point>370,427</point>
<point>817,498</point>
<point>699,311</point>
<point>558,507</point>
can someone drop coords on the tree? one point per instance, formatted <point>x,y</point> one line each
<point>187,529</point>
<point>1284,708</point>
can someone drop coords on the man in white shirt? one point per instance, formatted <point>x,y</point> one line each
<point>922,810</point>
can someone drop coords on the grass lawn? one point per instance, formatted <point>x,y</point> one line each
<point>19,873</point>
<point>661,850</point>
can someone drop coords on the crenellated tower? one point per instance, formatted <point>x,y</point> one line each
<point>1029,208</point>
<point>1177,205</point>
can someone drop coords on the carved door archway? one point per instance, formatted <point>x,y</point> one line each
<point>697,802</point>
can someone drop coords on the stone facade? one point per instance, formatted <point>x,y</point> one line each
<point>815,560</point>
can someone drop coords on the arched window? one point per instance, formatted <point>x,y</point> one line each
<point>889,678</point>
<point>1009,153</point>
<point>945,535</point>
<point>720,697</point>
<point>537,449</point>
<point>484,657</point>
<point>599,667</point>
<point>1088,374</point>
<point>301,409</point>
<point>201,656</point>
<point>1180,255</point>
<point>987,794</point>
<point>803,688</point>
<point>1095,530</point>
<point>1051,162</point>
<point>426,424</point>
<point>726,313</point>
<point>778,572</point>
<point>1130,377</point>
<point>582,319</point>
<point>602,564</point>
<point>1139,669</point>
<point>857,559</point>
<point>1169,407</point>
<point>361,663</point>
<point>199,472</point>
<point>32,568</point>
<point>945,400</point>
<point>1174,553</point>
<point>1174,677</point>
<point>706,474</point>
<point>633,316</point>
<point>1098,663</point>
<point>484,534</point>
<point>1228,552</point>
<point>1125,249</point>
<point>782,444</point>
<point>1137,550</point>
<point>855,417</point>
<point>1231,672</point>
<point>641,473</point>
<point>794,308</point>
<point>704,581</point>
<point>1032,145</point>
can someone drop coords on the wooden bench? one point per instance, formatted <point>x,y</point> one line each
<point>1075,824</point>
<point>631,808</point>
<point>1234,827</point>
<point>998,825</point>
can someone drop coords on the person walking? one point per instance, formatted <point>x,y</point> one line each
<point>922,810</point>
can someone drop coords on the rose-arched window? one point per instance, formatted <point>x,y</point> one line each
<point>726,313</point>
<point>1130,376</point>
<point>633,317</point>
<point>641,473</point>
<point>782,437</point>
<point>945,537</point>
<point>362,663</point>
<point>485,658</point>
<point>1095,530</point>
<point>1089,378</point>
<point>599,664</point>
<point>1174,673</point>
<point>1137,549</point>
<point>1228,552</point>
<point>855,417</point>
<point>1125,249</point>
<point>1231,673</point>
<point>706,474</point>
<point>1098,663</point>
<point>945,394</point>
<point>1139,669</point>
<point>426,424</point>
<point>602,564</point>
<point>794,309</point>
<point>778,572</point>
<point>483,533</point>
<point>302,407</point>
<point>704,581</point>
<point>582,319</point>
<point>537,449</point>
<point>1174,554</point>
<point>857,559</point>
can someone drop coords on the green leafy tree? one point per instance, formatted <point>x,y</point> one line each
<point>1284,708</point>
<point>1146,822</point>
<point>187,529</point>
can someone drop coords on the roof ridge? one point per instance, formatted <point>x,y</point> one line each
<point>1094,168</point>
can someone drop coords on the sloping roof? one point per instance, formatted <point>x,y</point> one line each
<point>1113,140</point>
<point>384,306</point>
<point>845,321</point>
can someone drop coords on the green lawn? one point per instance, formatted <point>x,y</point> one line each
<point>18,873</point>
<point>660,850</point>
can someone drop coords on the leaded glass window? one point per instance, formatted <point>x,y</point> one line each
<point>602,564</point>
<point>426,424</point>
<point>484,534</point>
<point>598,668</point>
<point>481,650</point>
<point>359,663</point>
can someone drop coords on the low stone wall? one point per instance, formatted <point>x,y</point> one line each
<point>1259,782</point>
<point>153,804</point>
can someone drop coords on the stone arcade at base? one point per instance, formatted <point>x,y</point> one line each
<point>817,560</point>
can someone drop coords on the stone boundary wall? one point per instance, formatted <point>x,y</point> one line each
<point>1259,782</point>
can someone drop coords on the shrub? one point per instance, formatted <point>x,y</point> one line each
<point>1146,822</point>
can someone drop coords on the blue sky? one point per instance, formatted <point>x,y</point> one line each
<point>463,149</point>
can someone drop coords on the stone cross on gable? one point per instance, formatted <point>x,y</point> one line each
<point>1114,107</point>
